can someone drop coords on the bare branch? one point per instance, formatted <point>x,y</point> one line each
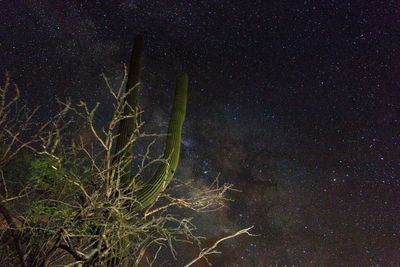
<point>205,252</point>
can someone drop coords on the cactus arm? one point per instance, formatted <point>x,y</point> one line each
<point>147,194</point>
<point>128,125</point>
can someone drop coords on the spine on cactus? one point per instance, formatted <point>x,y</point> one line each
<point>147,194</point>
<point>128,125</point>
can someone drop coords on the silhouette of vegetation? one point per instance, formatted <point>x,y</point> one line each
<point>67,201</point>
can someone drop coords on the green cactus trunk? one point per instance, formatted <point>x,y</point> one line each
<point>128,125</point>
<point>150,190</point>
<point>165,172</point>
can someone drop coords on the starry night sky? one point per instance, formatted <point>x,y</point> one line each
<point>295,102</point>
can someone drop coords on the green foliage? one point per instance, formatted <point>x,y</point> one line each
<point>46,173</point>
<point>45,211</point>
<point>47,177</point>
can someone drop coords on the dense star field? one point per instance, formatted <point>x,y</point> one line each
<point>296,103</point>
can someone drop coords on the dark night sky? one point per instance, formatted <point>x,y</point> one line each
<point>304,94</point>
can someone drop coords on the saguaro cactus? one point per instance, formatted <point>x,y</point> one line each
<point>128,125</point>
<point>165,172</point>
<point>150,190</point>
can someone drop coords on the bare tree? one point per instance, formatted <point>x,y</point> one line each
<point>69,201</point>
